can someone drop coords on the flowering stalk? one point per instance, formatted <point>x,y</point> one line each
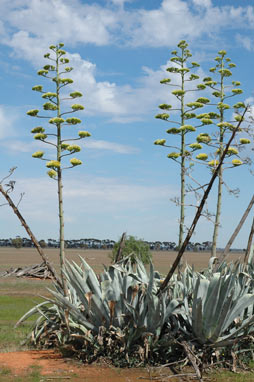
<point>201,206</point>
<point>220,90</point>
<point>186,112</point>
<point>55,72</point>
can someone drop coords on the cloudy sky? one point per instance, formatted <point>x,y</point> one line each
<point>119,50</point>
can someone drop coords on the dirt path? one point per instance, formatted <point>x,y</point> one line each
<point>51,365</point>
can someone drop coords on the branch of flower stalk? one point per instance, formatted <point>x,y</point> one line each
<point>200,208</point>
<point>11,171</point>
<point>31,235</point>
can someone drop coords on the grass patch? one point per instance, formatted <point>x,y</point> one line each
<point>18,287</point>
<point>12,308</point>
<point>33,374</point>
<point>5,371</point>
<point>228,376</point>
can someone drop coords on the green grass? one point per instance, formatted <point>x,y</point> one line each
<point>12,308</point>
<point>4,371</point>
<point>33,374</point>
<point>23,287</point>
<point>228,376</point>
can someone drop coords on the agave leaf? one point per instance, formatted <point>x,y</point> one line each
<point>133,335</point>
<point>141,271</point>
<point>80,288</point>
<point>92,280</point>
<point>211,262</point>
<point>197,320</point>
<point>218,327</point>
<point>76,279</point>
<point>99,311</point>
<point>214,306</point>
<point>203,289</point>
<point>30,313</point>
<point>64,303</point>
<point>82,328</point>
<point>210,306</point>
<point>151,280</point>
<point>152,311</point>
<point>38,332</point>
<point>171,308</point>
<point>77,267</point>
<point>240,306</point>
<point>235,333</point>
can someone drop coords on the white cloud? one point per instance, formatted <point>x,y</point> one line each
<point>70,21</point>
<point>39,23</point>
<point>124,103</point>
<point>19,146</point>
<point>7,119</point>
<point>250,101</point>
<point>112,205</point>
<point>202,3</point>
<point>245,41</point>
<point>177,19</point>
<point>110,146</point>
<point>77,22</point>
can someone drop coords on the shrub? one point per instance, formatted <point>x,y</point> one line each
<point>135,247</point>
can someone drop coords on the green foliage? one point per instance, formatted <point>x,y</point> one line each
<point>43,244</point>
<point>17,242</point>
<point>137,248</point>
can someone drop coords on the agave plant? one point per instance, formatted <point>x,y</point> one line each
<point>222,308</point>
<point>114,315</point>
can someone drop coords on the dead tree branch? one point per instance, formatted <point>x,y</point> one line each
<point>248,250</point>
<point>31,235</point>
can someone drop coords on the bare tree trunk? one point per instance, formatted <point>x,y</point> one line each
<point>199,210</point>
<point>31,235</point>
<point>235,233</point>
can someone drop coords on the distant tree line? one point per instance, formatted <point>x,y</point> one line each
<point>91,243</point>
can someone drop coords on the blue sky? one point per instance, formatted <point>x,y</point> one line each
<point>119,50</point>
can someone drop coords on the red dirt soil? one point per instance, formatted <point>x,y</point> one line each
<point>48,360</point>
<point>51,364</point>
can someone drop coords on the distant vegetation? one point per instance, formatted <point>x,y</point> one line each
<point>134,247</point>
<point>92,243</point>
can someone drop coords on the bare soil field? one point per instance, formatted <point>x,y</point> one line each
<point>11,257</point>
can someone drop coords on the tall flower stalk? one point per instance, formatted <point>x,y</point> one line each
<point>222,91</point>
<point>182,72</point>
<point>56,72</point>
